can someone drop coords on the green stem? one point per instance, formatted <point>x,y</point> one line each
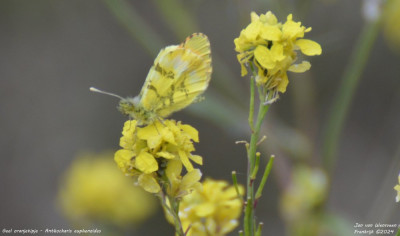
<point>173,210</point>
<point>252,165</point>
<point>251,110</point>
<point>179,18</point>
<point>175,213</point>
<point>249,213</point>
<point>135,25</point>
<point>173,207</point>
<point>248,218</point>
<point>259,229</point>
<point>398,233</point>
<point>346,91</point>
<point>257,164</point>
<point>265,177</point>
<point>235,183</point>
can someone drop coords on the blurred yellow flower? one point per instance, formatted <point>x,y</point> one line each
<point>272,47</point>
<point>147,150</point>
<point>397,188</point>
<point>300,201</point>
<point>391,26</point>
<point>212,209</point>
<point>94,190</point>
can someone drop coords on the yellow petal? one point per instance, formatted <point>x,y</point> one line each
<point>123,159</point>
<point>292,30</point>
<point>147,132</point>
<point>149,183</point>
<point>174,169</point>
<point>271,18</point>
<point>123,155</point>
<point>254,16</point>
<point>229,226</point>
<point>129,127</point>
<point>309,47</point>
<point>284,81</point>
<point>146,163</point>
<point>277,52</point>
<point>252,30</point>
<point>189,183</point>
<point>204,210</point>
<point>300,68</point>
<point>192,132</point>
<point>151,134</point>
<point>185,160</point>
<point>272,33</point>
<point>166,155</point>
<point>168,136</point>
<point>211,226</point>
<point>264,57</point>
<point>243,69</point>
<point>191,178</point>
<point>197,159</point>
<point>154,141</point>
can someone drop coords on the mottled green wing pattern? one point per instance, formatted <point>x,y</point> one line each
<point>178,76</point>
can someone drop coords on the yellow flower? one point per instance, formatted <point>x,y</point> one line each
<point>300,201</point>
<point>272,47</point>
<point>147,150</point>
<point>180,186</point>
<point>307,189</point>
<point>397,188</point>
<point>211,210</point>
<point>94,190</point>
<point>391,27</point>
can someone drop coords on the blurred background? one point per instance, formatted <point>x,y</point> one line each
<point>53,51</point>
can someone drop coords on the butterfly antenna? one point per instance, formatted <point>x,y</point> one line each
<point>103,92</point>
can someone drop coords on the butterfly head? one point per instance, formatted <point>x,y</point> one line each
<point>132,107</point>
<point>129,106</point>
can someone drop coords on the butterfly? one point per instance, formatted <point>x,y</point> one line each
<point>180,74</point>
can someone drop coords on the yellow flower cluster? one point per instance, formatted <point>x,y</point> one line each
<point>397,188</point>
<point>94,190</point>
<point>211,210</point>
<point>271,46</point>
<point>147,152</point>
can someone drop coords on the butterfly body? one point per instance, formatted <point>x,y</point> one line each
<point>180,73</point>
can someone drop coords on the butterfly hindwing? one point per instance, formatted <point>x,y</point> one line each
<point>178,76</point>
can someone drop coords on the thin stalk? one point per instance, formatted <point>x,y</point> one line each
<point>235,183</point>
<point>175,212</point>
<point>249,219</point>
<point>251,110</point>
<point>249,213</point>
<point>349,83</point>
<point>259,229</point>
<point>179,18</point>
<point>265,177</point>
<point>136,26</point>
<point>255,170</point>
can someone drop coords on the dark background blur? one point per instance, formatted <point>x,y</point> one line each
<point>51,52</point>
